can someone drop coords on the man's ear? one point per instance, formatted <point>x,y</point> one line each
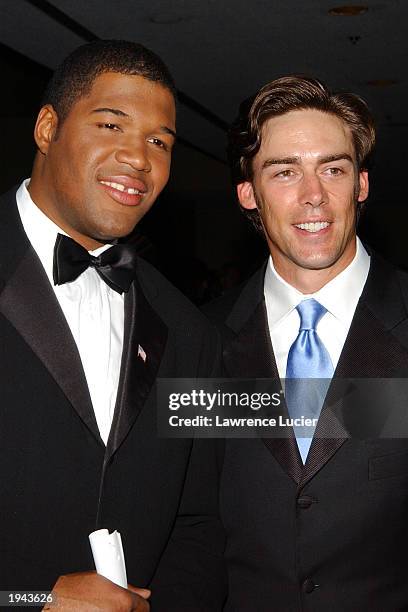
<point>246,196</point>
<point>363,186</point>
<point>45,128</point>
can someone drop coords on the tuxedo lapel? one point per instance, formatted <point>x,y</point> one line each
<point>372,350</point>
<point>145,337</point>
<point>250,355</point>
<point>29,303</point>
<point>248,350</point>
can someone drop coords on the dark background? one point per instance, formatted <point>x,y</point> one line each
<point>220,51</point>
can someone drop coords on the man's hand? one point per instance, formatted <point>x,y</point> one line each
<point>89,592</point>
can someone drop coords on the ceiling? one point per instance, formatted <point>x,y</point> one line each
<point>221,51</point>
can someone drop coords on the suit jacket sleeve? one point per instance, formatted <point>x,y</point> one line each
<point>191,576</point>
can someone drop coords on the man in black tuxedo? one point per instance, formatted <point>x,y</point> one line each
<point>86,329</point>
<point>320,522</point>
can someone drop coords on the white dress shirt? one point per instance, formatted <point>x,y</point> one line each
<point>339,297</point>
<point>94,313</point>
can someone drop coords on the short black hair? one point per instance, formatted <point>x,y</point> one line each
<point>74,77</point>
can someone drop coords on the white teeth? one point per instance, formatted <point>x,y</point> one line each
<point>313,227</point>
<point>121,187</point>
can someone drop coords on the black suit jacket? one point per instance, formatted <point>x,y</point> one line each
<point>58,481</point>
<point>332,534</point>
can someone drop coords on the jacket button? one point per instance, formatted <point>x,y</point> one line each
<point>305,501</point>
<point>308,586</point>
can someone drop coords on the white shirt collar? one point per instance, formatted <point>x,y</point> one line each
<point>40,230</point>
<point>339,296</point>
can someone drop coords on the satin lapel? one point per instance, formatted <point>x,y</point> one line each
<point>145,337</point>
<point>30,305</point>
<point>250,355</point>
<point>371,350</point>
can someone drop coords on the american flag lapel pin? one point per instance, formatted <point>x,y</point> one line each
<point>141,353</point>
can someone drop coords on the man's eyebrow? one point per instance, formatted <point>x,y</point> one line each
<point>119,113</point>
<point>114,111</point>
<point>337,157</point>
<point>296,160</point>
<point>168,130</point>
<point>280,161</point>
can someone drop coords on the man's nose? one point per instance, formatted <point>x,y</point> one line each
<point>312,192</point>
<point>134,153</point>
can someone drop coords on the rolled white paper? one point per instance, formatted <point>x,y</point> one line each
<point>108,555</point>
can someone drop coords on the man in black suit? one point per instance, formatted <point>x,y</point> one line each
<point>86,328</point>
<point>316,522</point>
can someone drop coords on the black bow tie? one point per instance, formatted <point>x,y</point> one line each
<point>116,266</point>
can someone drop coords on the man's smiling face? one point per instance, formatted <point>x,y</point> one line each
<point>305,185</point>
<point>98,173</point>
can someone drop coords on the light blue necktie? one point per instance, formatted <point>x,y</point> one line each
<point>307,358</point>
